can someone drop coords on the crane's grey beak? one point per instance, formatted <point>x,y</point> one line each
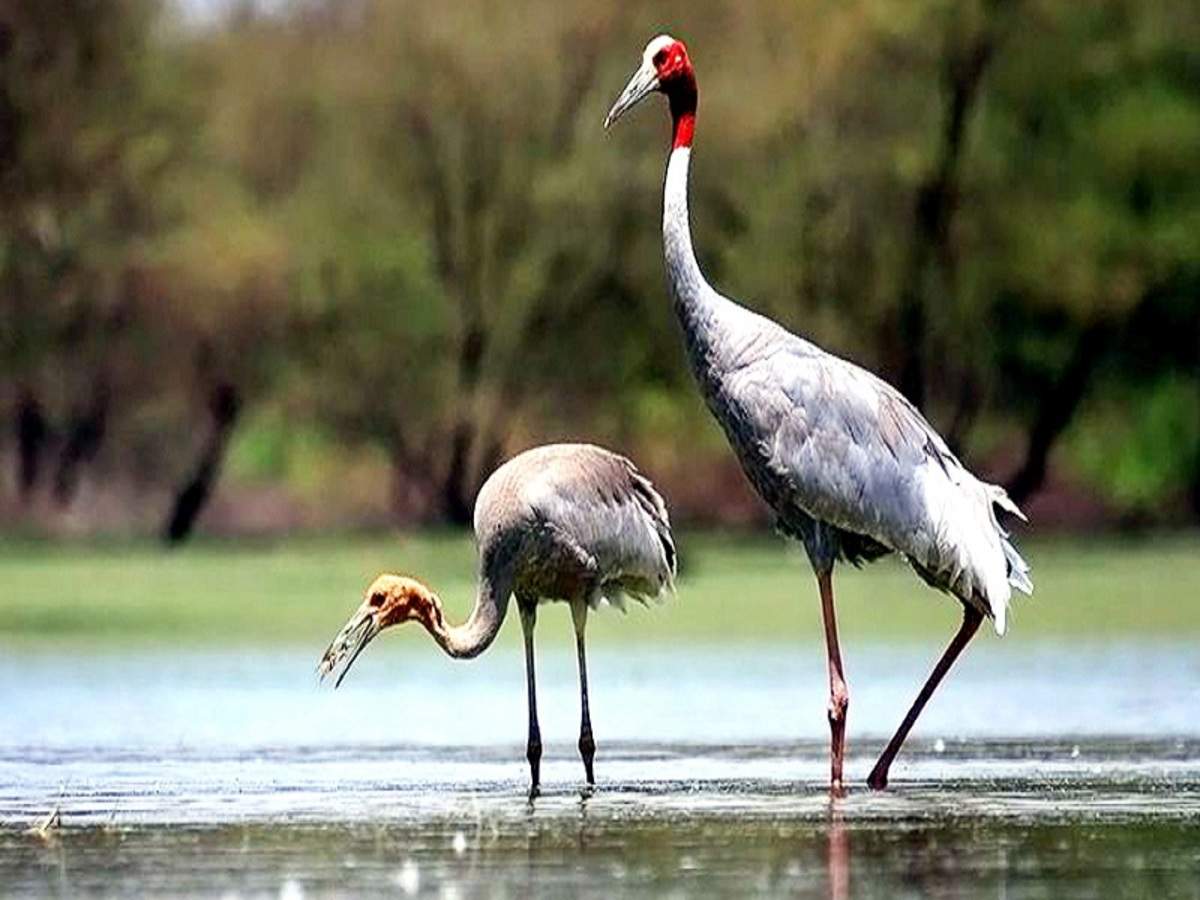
<point>360,630</point>
<point>643,82</point>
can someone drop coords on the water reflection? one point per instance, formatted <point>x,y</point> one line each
<point>839,852</point>
<point>586,850</point>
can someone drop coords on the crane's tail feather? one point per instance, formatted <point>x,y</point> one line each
<point>1018,569</point>
<point>645,593</point>
<point>1001,499</point>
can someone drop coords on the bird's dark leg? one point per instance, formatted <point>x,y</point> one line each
<point>839,694</point>
<point>587,744</point>
<point>878,778</point>
<point>533,748</point>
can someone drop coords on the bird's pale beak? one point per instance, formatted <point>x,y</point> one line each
<point>643,82</point>
<point>359,631</point>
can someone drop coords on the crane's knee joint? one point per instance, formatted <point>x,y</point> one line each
<point>839,702</point>
<point>587,745</point>
<point>533,752</point>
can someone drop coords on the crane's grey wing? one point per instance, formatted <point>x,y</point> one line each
<point>849,450</point>
<point>602,506</point>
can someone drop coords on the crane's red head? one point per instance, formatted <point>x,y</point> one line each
<point>390,600</point>
<point>665,67</point>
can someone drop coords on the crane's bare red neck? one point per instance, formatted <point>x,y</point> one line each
<point>683,117</point>
<point>677,79</point>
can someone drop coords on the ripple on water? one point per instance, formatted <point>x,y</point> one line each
<point>171,778</point>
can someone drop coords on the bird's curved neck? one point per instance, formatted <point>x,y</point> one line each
<point>689,289</point>
<point>475,635</point>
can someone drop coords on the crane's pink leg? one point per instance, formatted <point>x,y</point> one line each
<point>533,748</point>
<point>587,744</point>
<point>839,694</point>
<point>878,778</point>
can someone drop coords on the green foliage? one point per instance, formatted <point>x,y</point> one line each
<point>399,233</point>
<point>1142,451</point>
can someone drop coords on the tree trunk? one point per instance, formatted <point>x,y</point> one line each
<point>31,432</point>
<point>493,456</point>
<point>457,506</point>
<point>1055,413</point>
<point>936,200</point>
<point>1194,487</point>
<point>193,495</point>
<point>1194,491</point>
<point>84,437</point>
<point>966,412</point>
<point>414,482</point>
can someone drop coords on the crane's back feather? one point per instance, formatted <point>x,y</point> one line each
<point>591,525</point>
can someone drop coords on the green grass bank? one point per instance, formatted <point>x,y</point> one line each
<point>732,588</point>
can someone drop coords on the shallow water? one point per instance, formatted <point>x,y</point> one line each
<point>410,694</point>
<point>1039,770</point>
<point>1011,818</point>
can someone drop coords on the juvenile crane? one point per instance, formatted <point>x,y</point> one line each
<point>849,467</point>
<point>566,522</point>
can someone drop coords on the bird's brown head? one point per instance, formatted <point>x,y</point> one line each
<point>667,68</point>
<point>390,600</point>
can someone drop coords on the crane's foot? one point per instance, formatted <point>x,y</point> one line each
<point>533,753</point>
<point>839,703</point>
<point>878,779</point>
<point>587,791</point>
<point>587,752</point>
<point>535,773</point>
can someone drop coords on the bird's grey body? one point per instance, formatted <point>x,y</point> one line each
<point>576,523</point>
<point>847,464</point>
<point>566,522</point>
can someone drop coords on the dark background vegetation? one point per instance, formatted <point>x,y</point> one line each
<point>323,264</point>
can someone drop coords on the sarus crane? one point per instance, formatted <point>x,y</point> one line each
<point>564,522</point>
<point>849,467</point>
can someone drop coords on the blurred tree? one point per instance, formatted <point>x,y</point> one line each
<point>443,259</point>
<point>82,154</point>
<point>81,150</point>
<point>1090,142</point>
<point>399,227</point>
<point>119,251</point>
<point>972,38</point>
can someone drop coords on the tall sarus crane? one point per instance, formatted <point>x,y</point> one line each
<point>566,522</point>
<point>849,466</point>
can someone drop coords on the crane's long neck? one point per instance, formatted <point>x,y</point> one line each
<point>683,271</point>
<point>696,303</point>
<point>475,635</point>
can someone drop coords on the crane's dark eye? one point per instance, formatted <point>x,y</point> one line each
<point>660,57</point>
<point>377,599</point>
